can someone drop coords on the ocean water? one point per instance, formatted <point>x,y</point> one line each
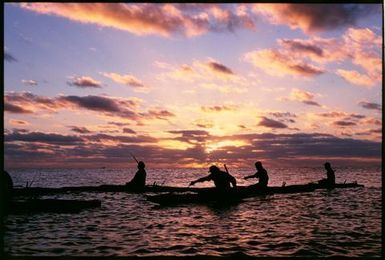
<point>340,222</point>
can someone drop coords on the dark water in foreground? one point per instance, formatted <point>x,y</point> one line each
<point>341,222</point>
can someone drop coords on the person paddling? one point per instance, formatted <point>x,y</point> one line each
<point>261,174</point>
<point>222,180</point>
<point>330,180</point>
<point>139,180</point>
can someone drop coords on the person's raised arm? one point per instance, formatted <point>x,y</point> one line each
<point>207,178</point>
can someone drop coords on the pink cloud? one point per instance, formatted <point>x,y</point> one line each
<point>299,95</point>
<point>267,122</point>
<point>219,108</point>
<point>312,18</point>
<point>18,122</point>
<point>29,82</point>
<point>126,108</point>
<point>143,19</point>
<point>84,82</point>
<point>278,63</point>
<point>127,80</point>
<point>362,47</point>
<point>356,77</point>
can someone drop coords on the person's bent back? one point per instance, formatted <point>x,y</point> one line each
<point>221,179</point>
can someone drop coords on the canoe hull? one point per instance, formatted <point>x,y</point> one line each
<point>36,191</point>
<point>237,194</point>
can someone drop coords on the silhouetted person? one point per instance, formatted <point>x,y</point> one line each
<point>261,174</point>
<point>6,191</point>
<point>330,181</point>
<point>139,180</point>
<point>221,179</point>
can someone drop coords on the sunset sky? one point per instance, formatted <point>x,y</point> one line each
<point>190,85</point>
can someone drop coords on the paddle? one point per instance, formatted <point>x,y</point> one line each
<point>134,158</point>
<point>226,168</point>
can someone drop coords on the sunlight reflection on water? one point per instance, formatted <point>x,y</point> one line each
<point>344,222</point>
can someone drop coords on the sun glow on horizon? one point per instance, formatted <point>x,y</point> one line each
<point>213,146</point>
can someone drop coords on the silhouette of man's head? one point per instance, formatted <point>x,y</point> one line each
<point>258,165</point>
<point>141,165</point>
<point>213,168</point>
<point>327,165</point>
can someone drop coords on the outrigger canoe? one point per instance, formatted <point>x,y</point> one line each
<point>51,205</point>
<point>237,194</point>
<point>36,191</point>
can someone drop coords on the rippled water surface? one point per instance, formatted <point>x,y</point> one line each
<point>341,222</point>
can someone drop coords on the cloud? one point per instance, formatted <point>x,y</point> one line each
<point>182,72</point>
<point>84,82</point>
<point>128,131</point>
<point>118,123</point>
<point>332,114</point>
<point>369,105</point>
<point>362,47</point>
<point>305,97</point>
<point>80,130</point>
<point>127,80</point>
<point>338,114</point>
<point>224,88</point>
<point>191,136</point>
<point>311,103</point>
<point>12,108</point>
<point>277,63</point>
<point>355,77</point>
<point>219,108</point>
<point>38,137</point>
<point>29,82</point>
<point>96,103</point>
<point>344,123</point>
<point>144,19</point>
<point>158,114</point>
<point>374,121</point>
<point>18,122</point>
<point>120,139</point>
<point>200,70</point>
<point>9,57</point>
<point>36,148</point>
<point>315,49</point>
<point>126,108</point>
<point>311,18</point>
<point>204,123</point>
<point>377,131</point>
<point>219,68</point>
<point>303,47</point>
<point>267,122</point>
<point>283,114</point>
